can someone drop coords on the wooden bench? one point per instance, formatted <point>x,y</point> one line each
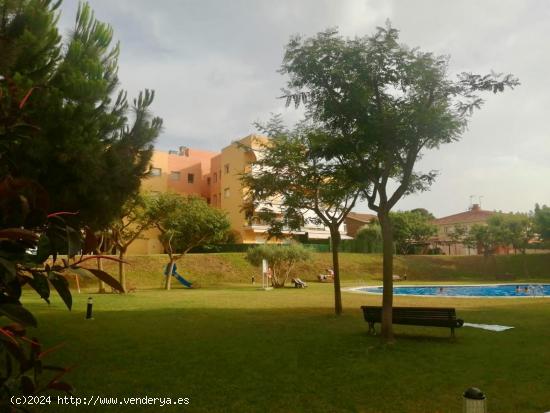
<point>417,316</point>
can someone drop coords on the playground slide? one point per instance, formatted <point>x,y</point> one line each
<point>182,280</point>
<point>178,277</point>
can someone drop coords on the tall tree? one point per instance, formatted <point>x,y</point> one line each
<point>291,177</point>
<point>514,230</point>
<point>80,141</point>
<point>371,234</point>
<point>541,219</point>
<point>411,229</point>
<point>384,104</point>
<point>185,223</point>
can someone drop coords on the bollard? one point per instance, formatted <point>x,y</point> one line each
<point>474,401</point>
<point>89,309</point>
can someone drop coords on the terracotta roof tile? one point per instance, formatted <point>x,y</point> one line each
<point>465,217</point>
<point>358,216</point>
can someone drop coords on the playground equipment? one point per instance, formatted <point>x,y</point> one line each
<point>177,276</point>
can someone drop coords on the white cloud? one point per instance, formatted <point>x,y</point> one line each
<point>213,65</point>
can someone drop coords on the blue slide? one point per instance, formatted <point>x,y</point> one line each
<point>182,280</point>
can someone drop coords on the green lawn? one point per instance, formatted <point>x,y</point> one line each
<point>236,349</point>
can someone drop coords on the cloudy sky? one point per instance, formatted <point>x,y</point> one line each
<point>213,65</point>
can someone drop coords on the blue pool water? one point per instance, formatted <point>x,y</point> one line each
<point>494,290</point>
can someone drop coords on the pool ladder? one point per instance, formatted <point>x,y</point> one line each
<point>536,290</point>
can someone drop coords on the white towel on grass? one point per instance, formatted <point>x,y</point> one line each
<point>491,327</point>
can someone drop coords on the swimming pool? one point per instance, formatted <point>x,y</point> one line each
<point>481,290</point>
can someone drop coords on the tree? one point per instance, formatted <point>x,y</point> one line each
<point>541,220</point>
<point>185,223</point>
<point>457,235</point>
<point>26,226</point>
<point>511,229</point>
<point>132,221</point>
<point>291,178</point>
<point>281,259</point>
<point>411,229</point>
<point>372,235</point>
<point>383,104</point>
<point>481,237</point>
<point>424,212</point>
<point>85,149</point>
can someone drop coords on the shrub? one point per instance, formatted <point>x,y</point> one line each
<point>281,259</point>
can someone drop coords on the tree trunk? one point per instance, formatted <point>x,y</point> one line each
<point>168,280</point>
<point>387,294</point>
<point>335,243</point>
<point>101,289</point>
<point>122,269</point>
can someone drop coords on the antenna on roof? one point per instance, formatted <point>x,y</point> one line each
<point>471,202</point>
<point>481,196</point>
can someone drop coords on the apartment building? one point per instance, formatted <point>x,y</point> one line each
<point>215,176</point>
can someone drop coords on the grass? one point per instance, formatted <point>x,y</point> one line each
<point>236,349</point>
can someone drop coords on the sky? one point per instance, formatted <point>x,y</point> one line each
<point>213,65</point>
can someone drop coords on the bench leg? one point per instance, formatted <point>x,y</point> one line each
<point>452,332</point>
<point>371,331</point>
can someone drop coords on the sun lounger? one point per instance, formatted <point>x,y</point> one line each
<point>298,283</point>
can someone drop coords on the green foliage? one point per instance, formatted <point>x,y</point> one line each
<point>291,177</point>
<point>382,104</point>
<point>541,220</point>
<point>186,222</point>
<point>411,230</point>
<point>281,259</point>
<point>514,230</point>
<point>479,236</point>
<point>371,234</point>
<point>298,186</point>
<point>85,149</point>
<point>502,230</point>
<point>28,238</point>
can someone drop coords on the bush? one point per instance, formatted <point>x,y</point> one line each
<point>281,259</point>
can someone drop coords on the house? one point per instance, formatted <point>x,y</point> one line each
<point>356,220</point>
<point>215,176</point>
<point>446,227</point>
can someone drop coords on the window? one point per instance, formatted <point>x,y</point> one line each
<point>215,177</point>
<point>190,178</point>
<point>208,181</point>
<point>208,201</point>
<point>215,200</point>
<point>175,176</point>
<point>226,192</point>
<point>156,172</point>
<point>226,168</point>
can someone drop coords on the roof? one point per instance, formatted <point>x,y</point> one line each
<point>473,215</point>
<point>362,217</point>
